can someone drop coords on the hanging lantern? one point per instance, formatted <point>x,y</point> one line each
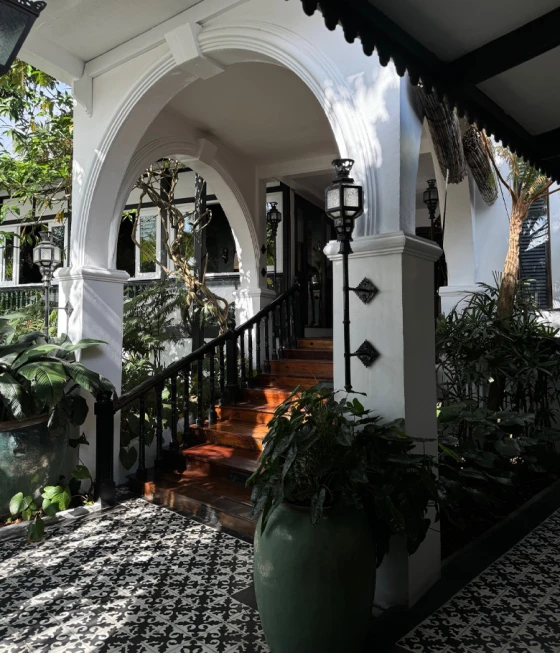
<point>16,19</point>
<point>274,217</point>
<point>344,200</point>
<point>431,197</point>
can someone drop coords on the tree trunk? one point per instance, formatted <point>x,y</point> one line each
<point>506,295</point>
<point>508,287</point>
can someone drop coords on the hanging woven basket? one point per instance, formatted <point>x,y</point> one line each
<point>479,164</point>
<point>446,136</point>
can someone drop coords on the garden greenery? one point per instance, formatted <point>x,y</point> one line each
<point>320,450</point>
<point>493,460</point>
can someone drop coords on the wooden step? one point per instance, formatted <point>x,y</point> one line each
<point>215,501</point>
<point>247,413</point>
<point>302,368</point>
<point>288,383</point>
<point>315,343</point>
<point>263,396</point>
<point>308,354</point>
<point>212,457</point>
<point>239,435</point>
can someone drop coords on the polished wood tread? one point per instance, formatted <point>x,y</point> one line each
<point>212,487</point>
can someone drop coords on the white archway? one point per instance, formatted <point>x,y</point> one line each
<point>216,174</point>
<point>99,199</point>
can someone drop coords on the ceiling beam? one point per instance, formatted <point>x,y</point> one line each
<point>510,50</point>
<point>51,58</point>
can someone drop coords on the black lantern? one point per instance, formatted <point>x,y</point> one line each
<point>48,257</point>
<point>16,19</point>
<point>431,200</point>
<point>344,200</point>
<point>274,218</point>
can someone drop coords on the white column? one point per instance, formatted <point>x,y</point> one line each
<point>459,241</point>
<point>96,296</point>
<point>399,322</point>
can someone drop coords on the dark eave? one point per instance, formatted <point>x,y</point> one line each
<point>456,81</point>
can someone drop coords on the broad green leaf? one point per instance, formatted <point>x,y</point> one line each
<point>14,397</point>
<point>81,472</point>
<point>128,457</point>
<point>36,530</point>
<point>87,379</point>
<point>32,353</point>
<point>48,379</point>
<point>15,504</point>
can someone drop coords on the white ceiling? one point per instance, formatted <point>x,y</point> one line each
<point>450,28</point>
<point>261,110</point>
<point>88,28</point>
<point>530,92</point>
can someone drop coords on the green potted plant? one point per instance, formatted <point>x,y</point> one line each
<point>41,388</point>
<point>333,486</point>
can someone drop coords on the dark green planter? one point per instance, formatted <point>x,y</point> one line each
<point>315,584</point>
<point>31,456</point>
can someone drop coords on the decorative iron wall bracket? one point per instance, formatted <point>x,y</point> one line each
<point>366,290</point>
<point>366,353</point>
<point>68,309</point>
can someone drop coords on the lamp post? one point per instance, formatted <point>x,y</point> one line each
<point>344,202</point>
<point>16,19</point>
<point>431,200</point>
<point>274,218</point>
<point>48,257</point>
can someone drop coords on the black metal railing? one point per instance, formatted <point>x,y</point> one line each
<point>15,298</point>
<point>215,373</point>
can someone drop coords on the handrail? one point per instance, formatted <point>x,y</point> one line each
<point>169,371</point>
<point>238,354</point>
<point>181,364</point>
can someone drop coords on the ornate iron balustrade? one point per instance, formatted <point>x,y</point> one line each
<point>15,298</point>
<point>218,371</point>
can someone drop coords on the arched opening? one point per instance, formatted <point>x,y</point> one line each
<point>256,134</point>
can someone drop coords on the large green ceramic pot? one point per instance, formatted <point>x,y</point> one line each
<point>31,456</point>
<point>315,584</point>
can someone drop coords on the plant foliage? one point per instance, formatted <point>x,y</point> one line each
<point>39,378</point>
<point>320,451</point>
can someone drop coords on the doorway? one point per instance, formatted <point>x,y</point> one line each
<point>313,268</point>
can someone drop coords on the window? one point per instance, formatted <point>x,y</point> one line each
<point>534,255</point>
<point>16,252</point>
<point>149,240</point>
<point>8,255</point>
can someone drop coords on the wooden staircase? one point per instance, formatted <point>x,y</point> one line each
<point>212,487</point>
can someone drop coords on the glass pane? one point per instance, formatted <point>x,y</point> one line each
<point>12,24</point>
<point>148,240</point>
<point>351,197</point>
<point>58,236</point>
<point>333,198</point>
<point>8,254</point>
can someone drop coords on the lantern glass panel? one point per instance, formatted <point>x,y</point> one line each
<point>13,23</point>
<point>351,197</point>
<point>333,201</point>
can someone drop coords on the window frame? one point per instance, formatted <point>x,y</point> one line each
<point>157,273</point>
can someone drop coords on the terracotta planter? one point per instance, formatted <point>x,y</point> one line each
<point>31,456</point>
<point>315,584</point>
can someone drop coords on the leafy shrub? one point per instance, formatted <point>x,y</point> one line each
<point>474,348</point>
<point>487,458</point>
<point>320,451</point>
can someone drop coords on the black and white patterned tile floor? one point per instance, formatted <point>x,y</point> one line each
<point>513,607</point>
<point>135,579</point>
